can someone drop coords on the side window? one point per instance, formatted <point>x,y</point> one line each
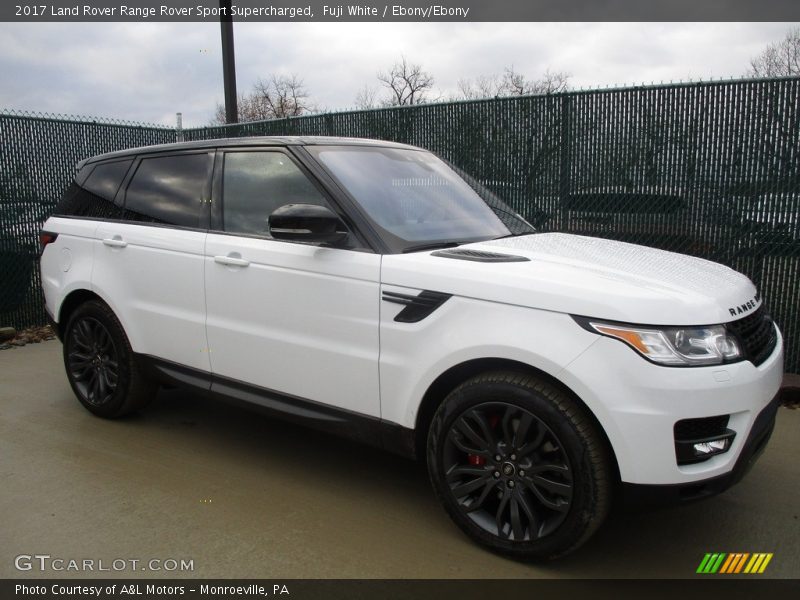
<point>168,189</point>
<point>256,183</point>
<point>95,196</point>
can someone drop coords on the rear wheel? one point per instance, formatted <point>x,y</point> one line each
<point>100,364</point>
<point>519,466</point>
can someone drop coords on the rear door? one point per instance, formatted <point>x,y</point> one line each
<point>297,319</point>
<point>149,263</point>
<point>90,197</point>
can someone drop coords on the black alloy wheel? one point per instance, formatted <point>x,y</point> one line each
<point>101,366</point>
<point>92,361</point>
<point>507,471</point>
<point>519,465</point>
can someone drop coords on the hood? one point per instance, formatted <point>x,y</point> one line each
<point>585,276</point>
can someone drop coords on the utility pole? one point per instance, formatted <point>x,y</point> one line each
<point>228,62</point>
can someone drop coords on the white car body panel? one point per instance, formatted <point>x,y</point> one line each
<point>67,264</point>
<point>154,285</point>
<point>413,355</point>
<point>520,311</point>
<point>637,403</point>
<point>585,276</point>
<point>299,319</point>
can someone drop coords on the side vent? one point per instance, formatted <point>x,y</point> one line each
<point>416,307</point>
<point>479,255</point>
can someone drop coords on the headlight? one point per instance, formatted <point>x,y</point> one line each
<point>675,346</point>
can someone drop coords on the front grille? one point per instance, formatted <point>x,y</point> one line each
<point>756,333</point>
<point>689,430</point>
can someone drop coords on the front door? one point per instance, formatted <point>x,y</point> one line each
<point>297,319</point>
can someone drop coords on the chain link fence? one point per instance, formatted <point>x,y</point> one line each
<point>708,169</point>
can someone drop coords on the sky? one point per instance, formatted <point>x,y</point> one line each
<point>149,71</point>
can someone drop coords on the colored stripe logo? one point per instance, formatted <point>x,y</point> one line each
<point>735,562</point>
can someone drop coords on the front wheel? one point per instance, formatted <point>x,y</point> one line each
<point>100,364</point>
<point>519,466</point>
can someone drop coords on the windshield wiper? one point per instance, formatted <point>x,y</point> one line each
<point>431,246</point>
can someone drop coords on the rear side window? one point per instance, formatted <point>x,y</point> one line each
<point>94,198</point>
<point>254,184</point>
<point>168,190</point>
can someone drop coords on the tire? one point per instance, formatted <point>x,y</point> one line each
<point>551,488</point>
<point>100,364</point>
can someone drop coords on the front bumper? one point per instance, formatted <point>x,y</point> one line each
<point>760,433</point>
<point>638,403</point>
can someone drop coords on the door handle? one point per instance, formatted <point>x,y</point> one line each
<point>115,242</point>
<point>231,261</point>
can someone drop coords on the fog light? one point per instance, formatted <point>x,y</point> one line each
<point>713,447</point>
<point>697,440</point>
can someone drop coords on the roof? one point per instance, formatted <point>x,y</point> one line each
<point>248,141</point>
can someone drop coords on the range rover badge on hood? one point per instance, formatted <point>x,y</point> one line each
<point>747,306</point>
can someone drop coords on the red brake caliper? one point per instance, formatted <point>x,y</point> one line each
<point>479,461</point>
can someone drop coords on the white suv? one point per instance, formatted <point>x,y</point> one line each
<point>368,289</point>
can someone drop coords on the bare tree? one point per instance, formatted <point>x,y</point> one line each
<point>512,83</point>
<point>284,96</point>
<point>551,82</point>
<point>407,83</point>
<point>276,97</point>
<point>220,117</point>
<point>367,97</point>
<point>779,58</point>
<point>482,86</point>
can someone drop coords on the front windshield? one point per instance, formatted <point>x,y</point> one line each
<point>416,197</point>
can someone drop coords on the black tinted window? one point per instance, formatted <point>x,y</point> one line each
<point>106,178</point>
<point>168,189</point>
<point>256,183</point>
<point>95,197</point>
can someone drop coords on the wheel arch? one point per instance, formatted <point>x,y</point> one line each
<point>457,374</point>
<point>72,301</point>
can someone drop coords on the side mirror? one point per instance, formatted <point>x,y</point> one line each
<point>306,223</point>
